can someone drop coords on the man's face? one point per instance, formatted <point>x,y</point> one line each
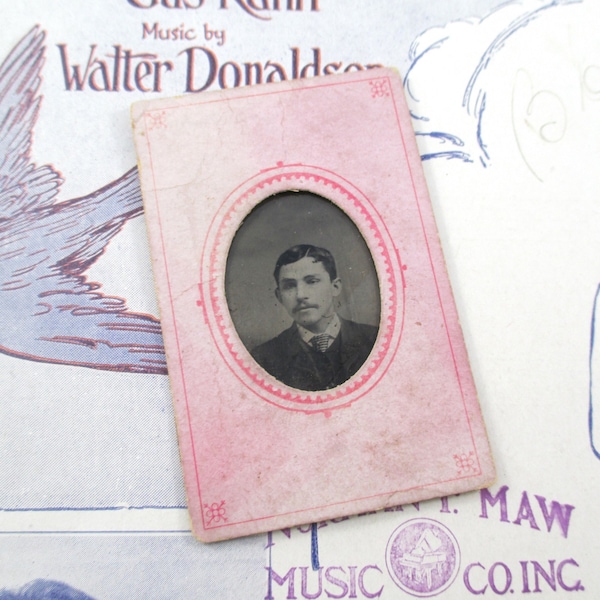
<point>307,292</point>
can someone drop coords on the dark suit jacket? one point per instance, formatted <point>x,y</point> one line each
<point>293,362</point>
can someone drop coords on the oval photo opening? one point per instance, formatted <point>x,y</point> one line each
<point>302,291</point>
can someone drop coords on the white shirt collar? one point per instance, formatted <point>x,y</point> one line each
<point>333,330</point>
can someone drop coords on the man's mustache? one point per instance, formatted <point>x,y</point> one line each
<point>303,306</point>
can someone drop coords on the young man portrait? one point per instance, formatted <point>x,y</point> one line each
<point>320,350</point>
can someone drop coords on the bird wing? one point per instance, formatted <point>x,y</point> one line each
<point>50,311</point>
<point>22,184</point>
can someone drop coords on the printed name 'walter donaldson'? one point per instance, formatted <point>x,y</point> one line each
<point>196,68</point>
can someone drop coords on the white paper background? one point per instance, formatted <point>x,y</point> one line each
<point>520,241</point>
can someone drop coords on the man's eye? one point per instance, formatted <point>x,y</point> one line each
<point>288,285</point>
<point>313,280</point>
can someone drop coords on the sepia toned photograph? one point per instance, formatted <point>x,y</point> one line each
<point>302,291</point>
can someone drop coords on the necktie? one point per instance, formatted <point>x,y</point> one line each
<point>320,342</point>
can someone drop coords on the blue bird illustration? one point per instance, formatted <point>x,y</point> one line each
<point>50,312</point>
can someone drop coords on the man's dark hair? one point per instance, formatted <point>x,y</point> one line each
<point>296,253</point>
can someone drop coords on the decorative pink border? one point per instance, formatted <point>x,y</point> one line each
<point>385,256</point>
<point>236,356</point>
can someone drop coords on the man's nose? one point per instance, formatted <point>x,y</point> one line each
<point>302,291</point>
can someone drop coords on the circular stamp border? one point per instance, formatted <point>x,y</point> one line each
<point>392,572</point>
<point>385,256</point>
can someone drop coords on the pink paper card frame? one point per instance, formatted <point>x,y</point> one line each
<point>390,272</point>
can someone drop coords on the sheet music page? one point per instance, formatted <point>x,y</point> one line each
<point>504,98</point>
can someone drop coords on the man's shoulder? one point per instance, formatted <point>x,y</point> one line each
<point>275,346</point>
<point>353,329</point>
<point>280,347</point>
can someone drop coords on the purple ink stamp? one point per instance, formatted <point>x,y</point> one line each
<point>423,557</point>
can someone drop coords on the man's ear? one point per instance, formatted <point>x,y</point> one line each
<point>337,286</point>
<point>277,294</point>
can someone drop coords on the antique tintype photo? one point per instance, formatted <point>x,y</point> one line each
<point>307,314</point>
<point>304,266</point>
